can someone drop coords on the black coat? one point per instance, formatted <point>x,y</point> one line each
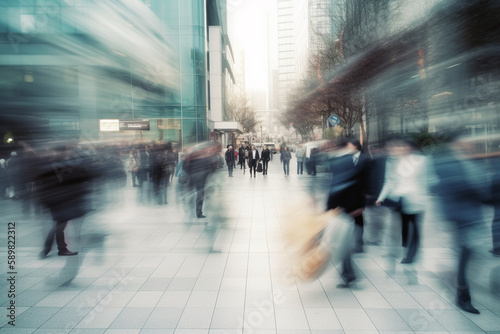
<point>230,158</point>
<point>241,154</point>
<point>266,155</point>
<point>348,185</point>
<point>251,160</point>
<point>63,187</point>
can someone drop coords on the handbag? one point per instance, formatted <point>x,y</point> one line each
<point>259,167</point>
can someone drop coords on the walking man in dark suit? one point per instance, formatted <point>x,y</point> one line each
<point>346,192</point>
<point>253,158</point>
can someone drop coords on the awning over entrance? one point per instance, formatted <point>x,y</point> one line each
<point>228,127</point>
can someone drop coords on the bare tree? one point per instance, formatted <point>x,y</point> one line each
<point>238,109</point>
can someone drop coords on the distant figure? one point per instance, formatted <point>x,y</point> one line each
<point>134,166</point>
<point>313,161</point>
<point>14,174</point>
<point>286,156</point>
<point>266,156</point>
<point>253,158</point>
<point>300,155</point>
<point>62,187</point>
<point>462,189</point>
<point>3,180</point>
<point>167,163</point>
<point>230,159</point>
<point>241,157</point>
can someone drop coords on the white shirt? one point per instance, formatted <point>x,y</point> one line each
<point>406,178</point>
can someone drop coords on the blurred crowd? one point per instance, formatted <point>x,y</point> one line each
<point>70,180</point>
<point>399,180</point>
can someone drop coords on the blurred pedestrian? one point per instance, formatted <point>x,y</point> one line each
<point>144,170</point>
<point>300,155</point>
<point>253,158</point>
<point>14,175</point>
<point>167,163</point>
<point>3,180</point>
<point>63,187</point>
<point>230,159</point>
<point>405,188</point>
<point>495,200</point>
<point>199,164</point>
<point>376,215</point>
<point>360,162</point>
<point>134,165</point>
<point>241,157</point>
<point>313,160</point>
<point>286,156</point>
<point>462,189</point>
<point>266,156</point>
<point>346,193</point>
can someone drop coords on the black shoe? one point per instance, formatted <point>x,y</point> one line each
<point>495,252</point>
<point>406,260</point>
<point>66,252</point>
<point>201,216</point>
<point>43,254</point>
<point>467,306</point>
<point>347,282</point>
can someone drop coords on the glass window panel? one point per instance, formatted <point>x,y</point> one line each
<point>188,90</point>
<point>202,130</point>
<point>202,112</point>
<point>201,92</point>
<point>191,12</point>
<point>188,111</point>
<point>188,131</point>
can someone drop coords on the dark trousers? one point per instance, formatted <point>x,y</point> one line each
<point>300,167</point>
<point>200,196</point>
<point>58,232</point>
<point>242,164</point>
<point>253,166</point>
<point>495,228</point>
<point>286,167</point>
<point>358,231</point>
<point>265,164</point>
<point>230,167</point>
<point>410,234</point>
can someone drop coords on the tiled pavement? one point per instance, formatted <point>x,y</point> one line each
<point>154,269</point>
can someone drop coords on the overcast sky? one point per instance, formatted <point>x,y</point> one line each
<point>248,30</point>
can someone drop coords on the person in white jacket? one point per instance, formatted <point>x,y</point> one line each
<point>405,189</point>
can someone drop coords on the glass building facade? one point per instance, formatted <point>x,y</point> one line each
<point>71,63</point>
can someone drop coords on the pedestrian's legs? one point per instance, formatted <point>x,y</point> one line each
<point>358,233</point>
<point>404,230</point>
<point>230,169</point>
<point>298,167</point>
<point>265,164</point>
<point>464,300</point>
<point>411,220</point>
<point>347,269</point>
<point>495,230</point>
<point>134,176</point>
<point>200,195</point>
<point>61,243</point>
